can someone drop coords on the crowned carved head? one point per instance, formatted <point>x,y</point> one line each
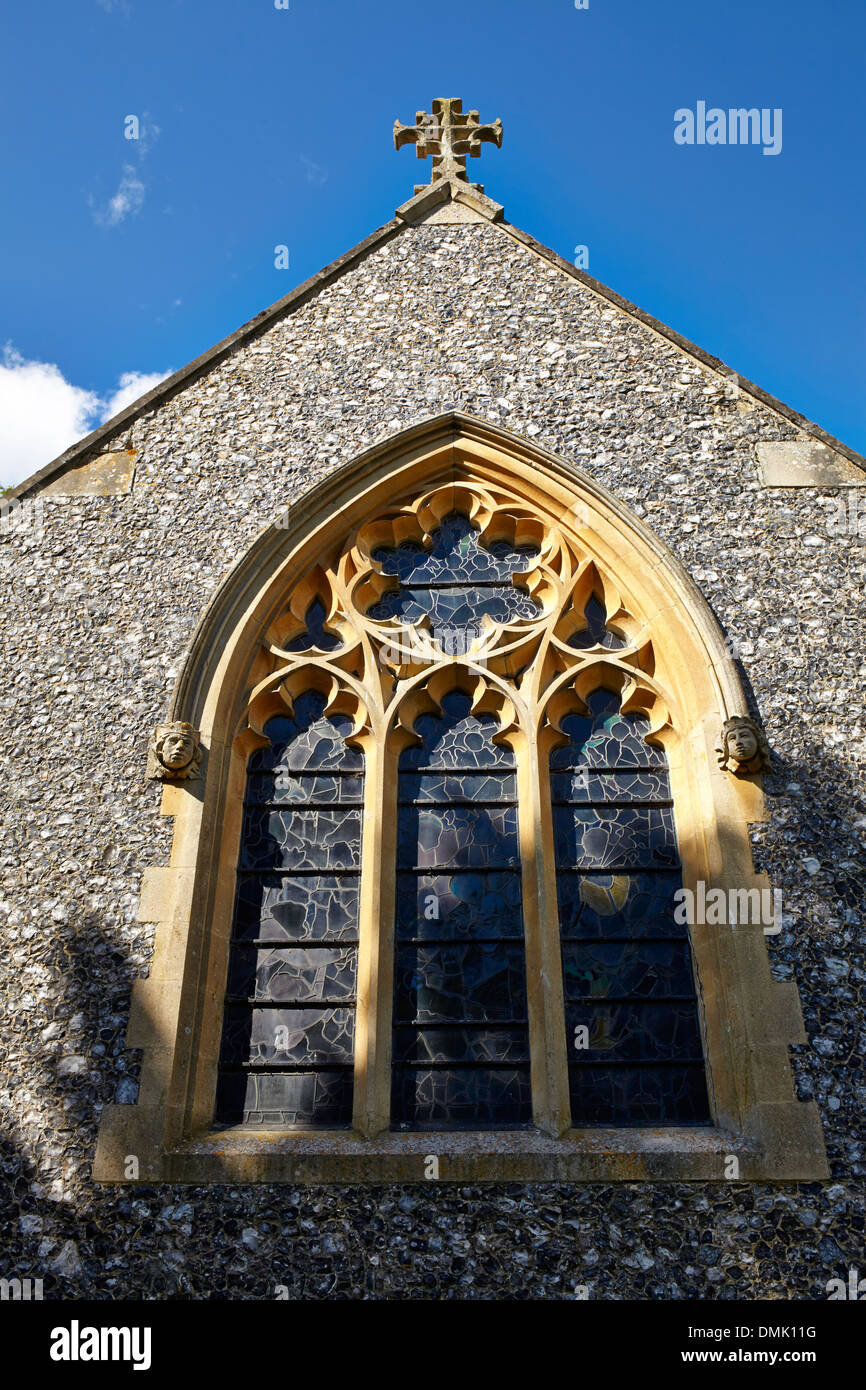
<point>743,748</point>
<point>175,753</point>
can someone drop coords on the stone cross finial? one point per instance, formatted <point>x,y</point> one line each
<point>449,134</point>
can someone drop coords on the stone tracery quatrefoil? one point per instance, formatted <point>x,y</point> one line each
<point>461,574</point>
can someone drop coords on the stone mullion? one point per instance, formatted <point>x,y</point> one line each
<point>549,1065</point>
<point>374,1000</point>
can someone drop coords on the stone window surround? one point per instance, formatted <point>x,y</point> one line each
<point>748,1019</point>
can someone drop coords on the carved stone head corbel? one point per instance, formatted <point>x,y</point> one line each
<point>175,753</point>
<point>743,748</point>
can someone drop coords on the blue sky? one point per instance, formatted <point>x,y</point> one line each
<point>121,260</point>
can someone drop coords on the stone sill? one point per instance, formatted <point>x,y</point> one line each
<point>345,1156</point>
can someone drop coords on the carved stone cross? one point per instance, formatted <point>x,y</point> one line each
<point>449,134</point>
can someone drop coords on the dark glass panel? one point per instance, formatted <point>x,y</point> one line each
<point>456,582</point>
<point>286,1100</point>
<point>315,635</point>
<point>619,969</point>
<point>634,1032</point>
<point>458,906</point>
<point>288,788</point>
<point>606,738</point>
<point>457,983</point>
<point>638,1096</point>
<point>313,908</point>
<point>455,1046</point>
<point>460,837</point>
<point>596,633</point>
<point>449,788</point>
<point>615,837</point>
<point>289,1023</point>
<point>308,839</point>
<point>455,554</point>
<point>450,606</point>
<point>457,741</point>
<point>462,1098</point>
<point>288,1037</point>
<point>307,741</point>
<point>582,785</point>
<point>292,974</point>
<point>629,994</point>
<point>460,1027</point>
<point>629,905</point>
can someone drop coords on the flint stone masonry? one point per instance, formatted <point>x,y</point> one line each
<point>99,610</point>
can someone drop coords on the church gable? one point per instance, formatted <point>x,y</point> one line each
<point>446,316</point>
<point>213,532</point>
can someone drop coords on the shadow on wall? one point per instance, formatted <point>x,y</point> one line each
<point>814,851</point>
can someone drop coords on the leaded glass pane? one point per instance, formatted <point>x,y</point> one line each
<point>596,633</point>
<point>316,634</point>
<point>461,1044</point>
<point>639,1096</point>
<point>279,908</point>
<point>632,1029</point>
<point>289,1025</point>
<point>605,738</point>
<point>456,581</point>
<point>457,742</point>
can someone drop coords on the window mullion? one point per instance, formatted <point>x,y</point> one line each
<point>547,1041</point>
<point>372,1104</point>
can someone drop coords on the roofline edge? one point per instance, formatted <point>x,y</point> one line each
<point>684,344</point>
<point>77,453</point>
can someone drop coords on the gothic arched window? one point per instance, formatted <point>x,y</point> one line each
<point>459,716</point>
<point>450,625</point>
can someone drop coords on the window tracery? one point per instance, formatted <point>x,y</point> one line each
<point>615,618</point>
<point>461,643</point>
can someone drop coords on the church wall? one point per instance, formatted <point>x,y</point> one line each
<point>101,597</point>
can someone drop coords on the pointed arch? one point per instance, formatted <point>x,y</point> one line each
<point>590,565</point>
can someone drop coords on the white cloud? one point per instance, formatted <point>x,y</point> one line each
<point>41,413</point>
<point>130,386</point>
<point>313,172</point>
<point>129,198</point>
<point>141,133</point>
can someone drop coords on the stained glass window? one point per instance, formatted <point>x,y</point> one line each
<point>455,582</point>
<point>460,1025</point>
<point>289,1023</point>
<point>460,1041</point>
<point>316,634</point>
<point>634,1041</point>
<point>596,633</point>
